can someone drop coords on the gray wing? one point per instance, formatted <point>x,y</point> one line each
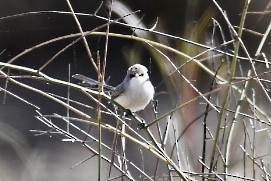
<point>117,91</point>
<point>90,82</point>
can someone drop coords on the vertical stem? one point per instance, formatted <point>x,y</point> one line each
<point>68,98</point>
<point>244,155</point>
<point>104,66</point>
<point>106,40</point>
<point>232,73</point>
<point>253,128</point>
<point>100,144</point>
<point>123,145</point>
<point>233,67</point>
<point>99,119</point>
<point>205,122</point>
<point>6,87</point>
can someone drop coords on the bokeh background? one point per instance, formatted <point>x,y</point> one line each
<point>24,156</point>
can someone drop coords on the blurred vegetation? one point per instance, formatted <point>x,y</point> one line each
<point>209,63</point>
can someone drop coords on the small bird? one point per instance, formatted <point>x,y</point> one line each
<point>134,93</point>
<point>136,90</point>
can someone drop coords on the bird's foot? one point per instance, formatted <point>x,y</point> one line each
<point>141,125</point>
<point>128,113</point>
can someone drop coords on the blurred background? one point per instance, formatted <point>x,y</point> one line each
<point>24,24</point>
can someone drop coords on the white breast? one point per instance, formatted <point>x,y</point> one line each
<point>138,94</point>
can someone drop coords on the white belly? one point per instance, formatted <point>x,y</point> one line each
<point>137,96</point>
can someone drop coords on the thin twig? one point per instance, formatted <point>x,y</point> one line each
<point>83,37</point>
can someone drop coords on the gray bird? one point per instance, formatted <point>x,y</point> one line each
<point>134,93</point>
<point>136,90</point>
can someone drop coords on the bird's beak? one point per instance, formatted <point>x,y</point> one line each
<point>134,74</point>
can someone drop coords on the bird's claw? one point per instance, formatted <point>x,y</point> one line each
<point>141,125</point>
<point>128,113</point>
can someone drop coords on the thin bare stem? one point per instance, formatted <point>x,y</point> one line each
<point>83,36</point>
<point>232,73</point>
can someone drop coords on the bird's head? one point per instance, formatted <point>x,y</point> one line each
<point>137,70</point>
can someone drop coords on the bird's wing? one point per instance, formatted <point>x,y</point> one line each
<point>90,82</point>
<point>117,91</point>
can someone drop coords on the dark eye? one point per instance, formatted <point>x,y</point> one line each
<point>141,75</point>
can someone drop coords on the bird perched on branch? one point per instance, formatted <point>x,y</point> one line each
<point>136,90</point>
<point>134,93</point>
